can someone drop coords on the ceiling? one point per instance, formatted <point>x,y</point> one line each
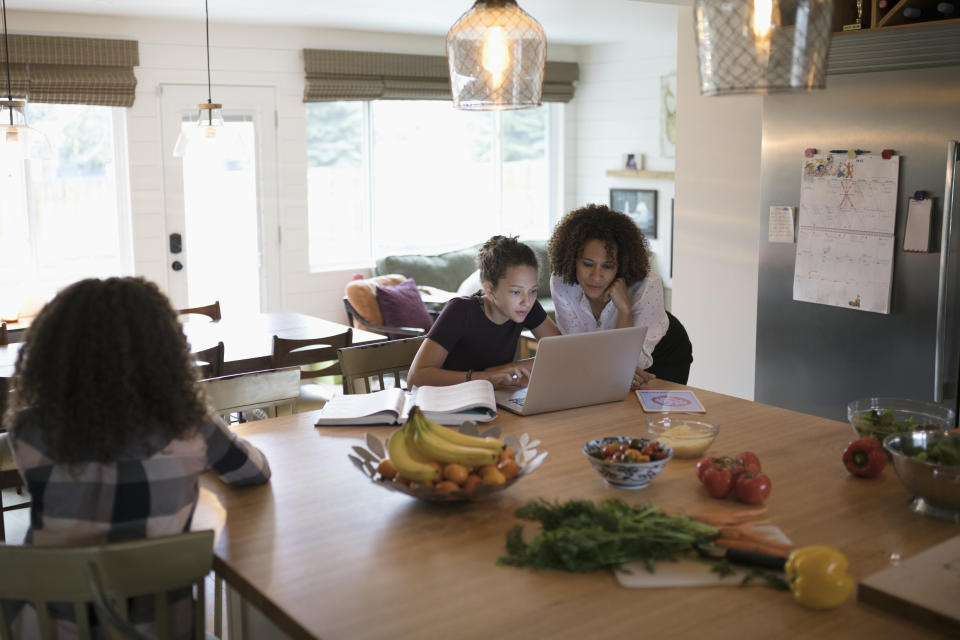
<point>565,21</point>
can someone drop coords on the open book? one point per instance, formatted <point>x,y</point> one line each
<point>451,405</point>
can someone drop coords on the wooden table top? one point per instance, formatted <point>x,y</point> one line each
<point>247,341</point>
<point>324,552</point>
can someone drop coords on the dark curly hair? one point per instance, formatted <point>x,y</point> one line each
<point>616,230</point>
<point>105,372</point>
<point>499,253</point>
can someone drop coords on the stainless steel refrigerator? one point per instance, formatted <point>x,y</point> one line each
<point>815,358</point>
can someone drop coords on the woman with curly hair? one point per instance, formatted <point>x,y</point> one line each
<point>109,427</point>
<point>601,279</point>
<point>475,337</point>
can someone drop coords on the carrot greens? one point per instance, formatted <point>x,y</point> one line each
<point>580,536</point>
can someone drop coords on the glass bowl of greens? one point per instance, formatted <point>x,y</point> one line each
<point>928,465</point>
<point>879,417</point>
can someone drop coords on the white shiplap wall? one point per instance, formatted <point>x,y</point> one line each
<point>618,112</point>
<point>245,55</point>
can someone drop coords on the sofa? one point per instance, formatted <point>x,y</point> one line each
<point>442,274</point>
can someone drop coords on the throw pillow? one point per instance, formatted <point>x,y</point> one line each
<point>362,295</point>
<point>470,285</point>
<point>402,306</point>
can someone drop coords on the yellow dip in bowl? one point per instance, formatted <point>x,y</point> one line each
<point>688,437</point>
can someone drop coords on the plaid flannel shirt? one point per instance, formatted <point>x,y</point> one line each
<point>131,498</point>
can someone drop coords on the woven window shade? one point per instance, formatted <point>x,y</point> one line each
<point>73,70</point>
<point>360,75</point>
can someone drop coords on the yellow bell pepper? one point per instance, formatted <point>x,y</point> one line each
<point>818,577</point>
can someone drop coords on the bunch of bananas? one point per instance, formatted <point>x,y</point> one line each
<point>426,453</point>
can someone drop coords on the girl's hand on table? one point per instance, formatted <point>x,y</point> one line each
<point>640,378</point>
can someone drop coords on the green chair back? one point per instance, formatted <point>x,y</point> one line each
<point>148,567</point>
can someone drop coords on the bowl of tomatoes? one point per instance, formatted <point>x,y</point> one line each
<point>627,462</point>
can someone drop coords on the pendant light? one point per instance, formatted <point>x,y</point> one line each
<point>210,129</point>
<point>762,46</point>
<point>496,53</point>
<point>16,138</point>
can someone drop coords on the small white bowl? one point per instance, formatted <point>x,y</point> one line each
<point>625,475</point>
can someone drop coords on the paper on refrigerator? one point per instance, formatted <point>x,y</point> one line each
<point>846,237</point>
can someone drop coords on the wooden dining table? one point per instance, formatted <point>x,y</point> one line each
<point>321,551</point>
<point>247,339</point>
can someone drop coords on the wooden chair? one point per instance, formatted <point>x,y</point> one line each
<point>212,311</point>
<point>210,361</point>
<point>361,363</point>
<point>4,336</point>
<point>9,475</point>
<point>107,576</point>
<point>269,389</point>
<point>321,355</point>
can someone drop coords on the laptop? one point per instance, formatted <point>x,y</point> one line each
<point>577,370</point>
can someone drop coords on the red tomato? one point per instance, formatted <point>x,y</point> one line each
<point>632,454</point>
<point>747,458</point>
<point>753,488</point>
<point>718,481</point>
<point>705,463</point>
<point>610,449</point>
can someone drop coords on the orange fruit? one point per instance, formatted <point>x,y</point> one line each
<point>455,473</point>
<point>494,478</point>
<point>446,487</point>
<point>485,469</point>
<point>507,454</point>
<point>386,470</point>
<point>471,483</point>
<point>509,468</point>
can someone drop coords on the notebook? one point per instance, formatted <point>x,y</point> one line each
<point>577,370</point>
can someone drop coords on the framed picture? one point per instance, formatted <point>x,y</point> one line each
<point>639,204</point>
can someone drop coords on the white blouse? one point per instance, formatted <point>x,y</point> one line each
<point>646,299</point>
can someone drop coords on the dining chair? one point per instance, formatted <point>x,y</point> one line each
<point>9,475</point>
<point>4,336</point>
<point>212,311</point>
<point>317,358</point>
<point>243,392</point>
<point>108,576</point>
<point>362,363</point>
<point>210,361</point>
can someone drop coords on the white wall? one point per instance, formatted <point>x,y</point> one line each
<point>718,222</point>
<point>618,112</point>
<point>246,55</point>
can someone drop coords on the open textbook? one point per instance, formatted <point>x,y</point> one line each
<point>453,405</point>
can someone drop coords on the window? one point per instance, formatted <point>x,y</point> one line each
<point>60,216</point>
<point>397,176</point>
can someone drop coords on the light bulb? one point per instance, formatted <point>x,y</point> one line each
<point>13,135</point>
<point>496,55</point>
<point>762,18</point>
<point>210,132</point>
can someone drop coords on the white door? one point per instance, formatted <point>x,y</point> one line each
<point>223,204</point>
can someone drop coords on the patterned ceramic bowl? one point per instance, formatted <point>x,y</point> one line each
<point>625,475</point>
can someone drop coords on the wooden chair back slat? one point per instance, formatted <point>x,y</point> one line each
<point>360,363</point>
<point>82,618</point>
<point>271,388</point>
<point>290,352</point>
<point>210,361</point>
<point>212,311</point>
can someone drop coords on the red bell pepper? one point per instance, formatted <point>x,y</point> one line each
<point>865,457</point>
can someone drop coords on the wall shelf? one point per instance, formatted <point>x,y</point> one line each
<point>636,173</point>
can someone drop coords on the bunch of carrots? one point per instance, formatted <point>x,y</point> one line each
<point>737,531</point>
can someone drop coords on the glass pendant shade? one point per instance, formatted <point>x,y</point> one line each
<point>762,46</point>
<point>496,53</point>
<point>209,129</point>
<point>16,138</point>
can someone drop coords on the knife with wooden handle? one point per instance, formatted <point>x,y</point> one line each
<point>736,556</point>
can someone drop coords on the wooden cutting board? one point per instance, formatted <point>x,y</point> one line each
<point>924,588</point>
<point>689,573</point>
